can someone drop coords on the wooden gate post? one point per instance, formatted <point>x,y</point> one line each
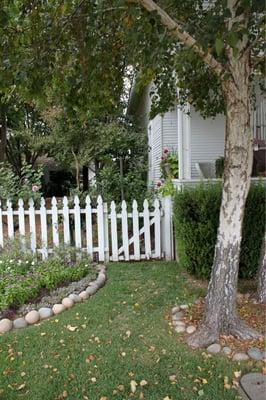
<point>167,228</point>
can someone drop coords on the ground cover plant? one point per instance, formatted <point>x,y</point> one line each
<point>117,345</point>
<point>24,277</point>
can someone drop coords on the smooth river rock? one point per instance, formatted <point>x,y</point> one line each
<point>179,323</point>
<point>84,295</point>
<point>92,289</point>
<point>227,350</point>
<point>20,323</point>
<point>58,308</point>
<point>5,325</point>
<point>240,357</point>
<point>255,354</point>
<point>175,309</point>
<point>180,329</point>
<point>75,297</point>
<point>32,317</point>
<point>67,302</point>
<point>178,315</point>
<point>45,312</point>
<point>214,348</point>
<point>191,329</point>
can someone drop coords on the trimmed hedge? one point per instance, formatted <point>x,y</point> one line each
<point>196,217</point>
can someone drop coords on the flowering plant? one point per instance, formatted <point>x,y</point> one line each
<point>26,186</point>
<point>169,171</point>
<point>169,165</point>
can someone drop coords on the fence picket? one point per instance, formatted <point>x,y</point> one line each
<point>44,236</point>
<point>1,227</point>
<point>106,232</point>
<point>55,222</point>
<point>88,218</point>
<point>114,232</point>
<point>135,217</point>
<point>77,222</point>
<point>32,225</point>
<point>100,223</point>
<point>21,223</point>
<point>147,233</point>
<point>66,221</point>
<point>10,220</point>
<point>158,241</point>
<point>157,228</point>
<point>124,217</point>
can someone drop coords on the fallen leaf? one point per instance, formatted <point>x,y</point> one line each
<point>133,386</point>
<point>72,328</point>
<point>143,382</point>
<point>20,387</point>
<point>237,374</point>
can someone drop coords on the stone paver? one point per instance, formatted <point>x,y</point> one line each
<point>253,386</point>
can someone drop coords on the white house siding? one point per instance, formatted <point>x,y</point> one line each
<point>162,133</point>
<point>155,143</point>
<point>170,136</point>
<point>207,139</point>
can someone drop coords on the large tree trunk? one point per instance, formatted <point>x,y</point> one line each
<point>3,133</point>
<point>220,306</point>
<point>261,276</point>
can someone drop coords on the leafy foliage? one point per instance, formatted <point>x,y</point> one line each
<point>196,214</point>
<point>27,186</point>
<point>23,277</point>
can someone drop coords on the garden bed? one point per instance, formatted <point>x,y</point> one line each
<point>24,279</point>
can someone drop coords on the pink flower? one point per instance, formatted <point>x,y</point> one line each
<point>159,184</point>
<point>35,188</point>
<point>162,158</point>
<point>166,151</point>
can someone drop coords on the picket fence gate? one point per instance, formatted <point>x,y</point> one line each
<point>104,233</point>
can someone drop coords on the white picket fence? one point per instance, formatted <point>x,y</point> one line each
<point>102,232</point>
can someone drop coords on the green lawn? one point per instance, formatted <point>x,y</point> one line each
<point>124,335</point>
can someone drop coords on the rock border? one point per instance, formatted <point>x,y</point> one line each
<point>180,326</point>
<point>35,316</point>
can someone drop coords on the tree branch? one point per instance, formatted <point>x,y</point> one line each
<point>176,31</point>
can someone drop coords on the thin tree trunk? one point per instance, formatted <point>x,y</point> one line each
<point>220,315</point>
<point>3,133</point>
<point>85,177</point>
<point>77,168</point>
<point>261,276</point>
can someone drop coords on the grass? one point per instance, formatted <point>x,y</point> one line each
<point>119,335</point>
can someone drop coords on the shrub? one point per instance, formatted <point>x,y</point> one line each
<point>196,215</point>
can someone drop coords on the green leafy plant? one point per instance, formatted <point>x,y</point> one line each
<point>23,276</point>
<point>196,215</point>
<point>219,167</point>
<point>169,165</point>
<point>27,186</point>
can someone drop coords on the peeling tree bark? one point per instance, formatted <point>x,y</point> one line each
<point>220,315</point>
<point>220,308</point>
<point>261,276</point>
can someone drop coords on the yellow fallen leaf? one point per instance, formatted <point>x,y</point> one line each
<point>72,328</point>
<point>133,386</point>
<point>204,381</point>
<point>20,387</point>
<point>237,374</point>
<point>172,378</point>
<point>143,382</point>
